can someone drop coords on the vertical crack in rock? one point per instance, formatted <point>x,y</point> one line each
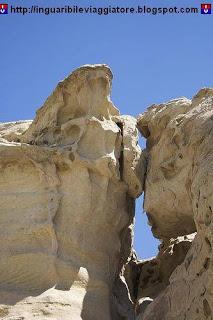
<point>121,157</point>
<point>132,168</point>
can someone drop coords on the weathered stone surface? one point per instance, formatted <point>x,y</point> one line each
<point>67,189</point>
<point>68,184</point>
<point>155,273</point>
<point>178,199</point>
<point>169,162</point>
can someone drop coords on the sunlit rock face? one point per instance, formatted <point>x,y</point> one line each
<point>68,184</point>
<point>67,188</point>
<point>179,201</point>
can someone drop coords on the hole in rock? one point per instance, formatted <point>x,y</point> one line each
<point>145,244</point>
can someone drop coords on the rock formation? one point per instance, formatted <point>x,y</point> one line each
<point>68,184</point>
<point>179,201</point>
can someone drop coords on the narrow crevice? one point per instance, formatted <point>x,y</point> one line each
<point>121,157</point>
<point>122,307</point>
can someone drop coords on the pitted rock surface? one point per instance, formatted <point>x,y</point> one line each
<point>179,200</point>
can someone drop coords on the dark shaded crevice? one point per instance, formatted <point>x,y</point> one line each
<point>206,308</point>
<point>132,275</point>
<point>121,157</point>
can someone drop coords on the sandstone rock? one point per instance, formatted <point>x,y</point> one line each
<point>67,190</point>
<point>68,184</point>
<point>155,273</point>
<point>169,162</point>
<point>178,199</point>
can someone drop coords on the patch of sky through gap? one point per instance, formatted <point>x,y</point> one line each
<point>145,244</point>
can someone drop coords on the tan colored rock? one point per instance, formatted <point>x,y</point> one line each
<point>178,199</point>
<point>67,189</point>
<point>155,273</point>
<point>169,162</point>
<point>68,185</point>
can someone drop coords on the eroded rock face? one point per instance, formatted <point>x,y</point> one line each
<point>155,273</point>
<point>178,199</point>
<point>68,184</point>
<point>67,188</point>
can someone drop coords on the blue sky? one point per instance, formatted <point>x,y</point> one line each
<point>153,58</point>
